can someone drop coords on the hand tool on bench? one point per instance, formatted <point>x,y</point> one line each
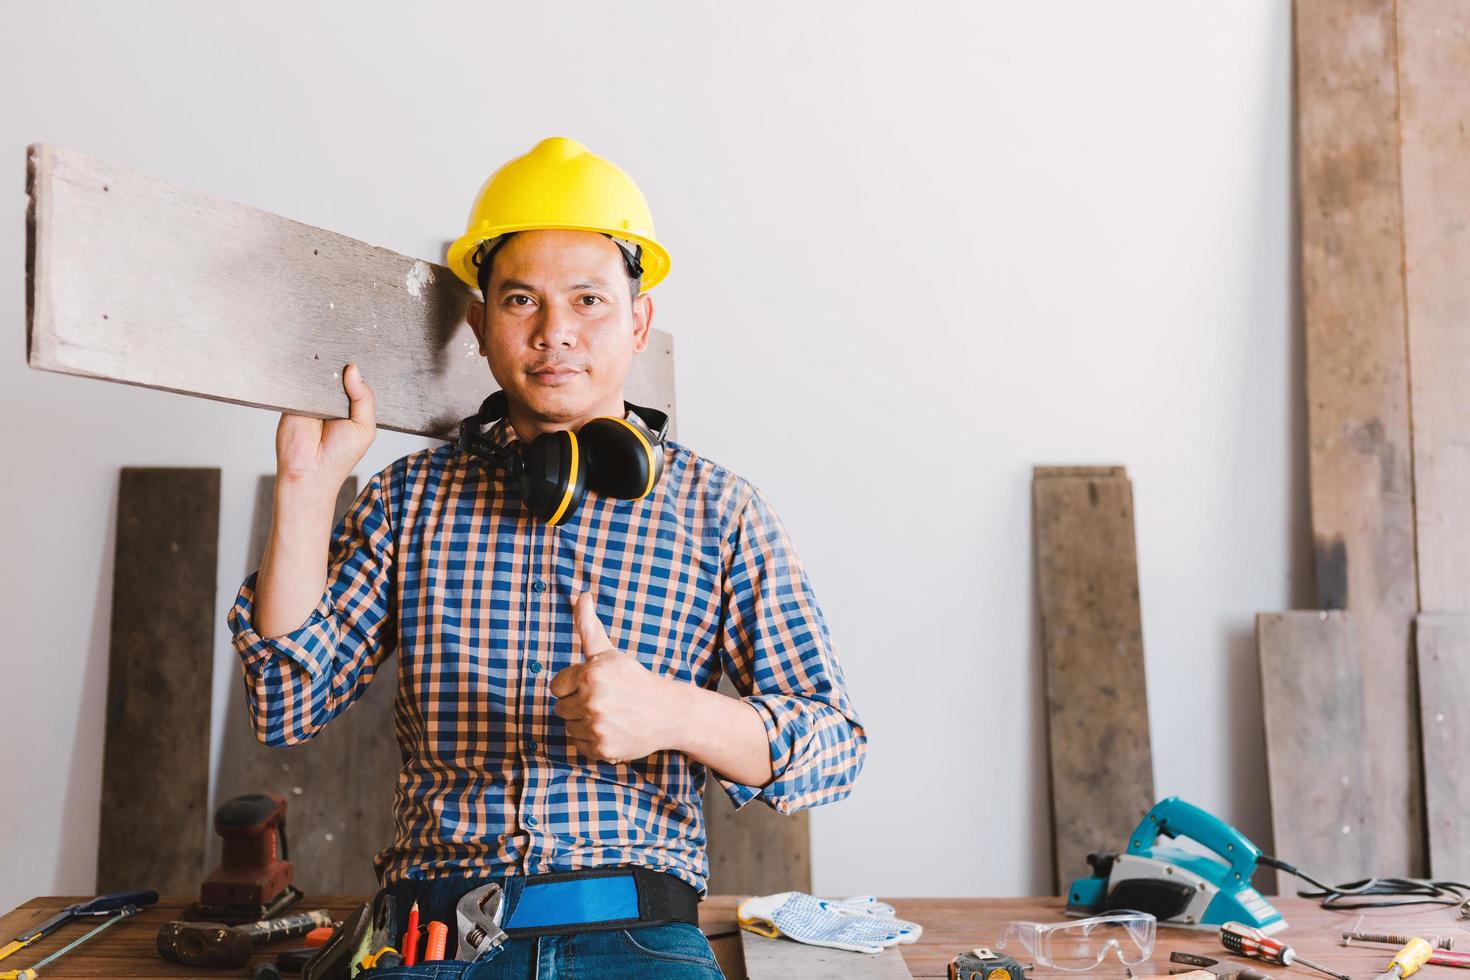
<point>101,905</point>
<point>253,881</point>
<point>219,944</point>
<point>1391,939</point>
<point>1416,953</point>
<point>1222,969</point>
<point>1241,938</point>
<point>31,972</point>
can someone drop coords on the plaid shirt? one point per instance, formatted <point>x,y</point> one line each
<point>439,559</point>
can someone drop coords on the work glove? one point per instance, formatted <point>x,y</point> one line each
<point>861,924</point>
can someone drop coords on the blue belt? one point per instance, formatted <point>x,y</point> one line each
<point>566,901</point>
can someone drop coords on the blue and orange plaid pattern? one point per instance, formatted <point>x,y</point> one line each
<point>438,559</point>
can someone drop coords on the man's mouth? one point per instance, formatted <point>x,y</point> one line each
<point>553,373</point>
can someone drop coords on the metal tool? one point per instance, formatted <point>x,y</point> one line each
<point>31,972</point>
<point>218,944</point>
<point>982,963</point>
<point>1416,953</point>
<point>101,905</point>
<point>1390,939</point>
<point>1222,969</point>
<point>1241,938</point>
<point>478,918</point>
<point>1178,886</point>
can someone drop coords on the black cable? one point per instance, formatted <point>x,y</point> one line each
<point>1393,892</point>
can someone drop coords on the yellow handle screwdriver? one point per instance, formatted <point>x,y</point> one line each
<point>1416,953</point>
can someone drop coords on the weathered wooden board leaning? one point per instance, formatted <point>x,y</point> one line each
<point>134,279</point>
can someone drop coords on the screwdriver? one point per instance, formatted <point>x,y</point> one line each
<point>1241,938</point>
<point>1416,953</point>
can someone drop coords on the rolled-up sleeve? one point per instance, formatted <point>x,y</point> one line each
<point>776,649</point>
<point>296,683</point>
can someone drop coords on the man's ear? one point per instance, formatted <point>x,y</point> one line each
<point>642,321</point>
<point>476,317</point>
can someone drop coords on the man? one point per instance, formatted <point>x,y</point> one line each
<point>555,707</point>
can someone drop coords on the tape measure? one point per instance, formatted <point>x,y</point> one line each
<point>981,963</point>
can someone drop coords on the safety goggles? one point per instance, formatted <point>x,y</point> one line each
<point>1082,944</point>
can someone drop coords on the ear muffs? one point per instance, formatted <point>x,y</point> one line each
<point>619,457</point>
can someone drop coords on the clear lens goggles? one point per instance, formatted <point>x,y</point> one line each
<point>1082,944</point>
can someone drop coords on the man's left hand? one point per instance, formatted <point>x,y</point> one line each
<point>615,708</point>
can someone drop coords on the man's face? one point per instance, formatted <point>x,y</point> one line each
<point>559,329</point>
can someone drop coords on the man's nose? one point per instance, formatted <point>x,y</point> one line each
<point>557,327</point>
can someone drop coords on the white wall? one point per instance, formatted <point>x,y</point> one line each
<point>918,248</point>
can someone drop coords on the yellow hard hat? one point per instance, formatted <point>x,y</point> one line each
<point>560,184</point>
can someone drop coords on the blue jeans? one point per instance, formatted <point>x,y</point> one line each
<point>676,950</point>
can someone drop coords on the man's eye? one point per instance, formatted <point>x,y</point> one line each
<point>516,298</point>
<point>589,300</point>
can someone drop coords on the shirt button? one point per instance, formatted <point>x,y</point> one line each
<point>535,666</point>
<point>530,821</point>
<point>538,586</point>
<point>531,745</point>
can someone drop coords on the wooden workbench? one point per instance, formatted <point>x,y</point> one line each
<point>951,925</point>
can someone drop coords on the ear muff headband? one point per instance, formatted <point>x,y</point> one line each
<point>571,482</point>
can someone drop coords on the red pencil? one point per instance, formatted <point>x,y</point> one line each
<point>411,937</point>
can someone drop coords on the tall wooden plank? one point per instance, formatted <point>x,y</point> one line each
<point>1312,701</point>
<point>138,280</point>
<point>1092,634</point>
<point>1357,379</point>
<point>155,762</point>
<point>1444,691</point>
<point>1434,98</point>
<point>339,784</point>
<point>754,850</point>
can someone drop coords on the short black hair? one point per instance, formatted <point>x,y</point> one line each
<point>485,253</point>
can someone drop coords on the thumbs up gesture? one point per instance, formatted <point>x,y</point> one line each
<point>615,708</point>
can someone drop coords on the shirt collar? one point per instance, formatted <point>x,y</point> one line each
<point>503,434</point>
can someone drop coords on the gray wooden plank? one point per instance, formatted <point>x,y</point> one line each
<point>781,959</point>
<point>1092,635</point>
<point>1358,379</point>
<point>339,784</point>
<point>138,280</point>
<point>155,761</point>
<point>1312,701</point>
<point>1444,691</point>
<point>1434,61</point>
<point>754,850</point>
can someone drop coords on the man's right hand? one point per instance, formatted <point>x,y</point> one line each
<point>323,453</point>
<point>313,460</point>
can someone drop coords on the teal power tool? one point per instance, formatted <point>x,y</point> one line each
<point>1178,886</point>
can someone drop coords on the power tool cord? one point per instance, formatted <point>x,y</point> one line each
<point>1375,893</point>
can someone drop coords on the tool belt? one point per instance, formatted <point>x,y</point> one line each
<point>556,903</point>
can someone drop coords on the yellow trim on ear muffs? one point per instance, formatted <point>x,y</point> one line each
<point>647,450</point>
<point>566,498</point>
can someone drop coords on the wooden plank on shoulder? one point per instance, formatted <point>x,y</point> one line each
<point>138,280</point>
<point>1312,700</point>
<point>338,785</point>
<point>155,761</point>
<point>1092,634</point>
<point>1444,691</point>
<point>1357,378</point>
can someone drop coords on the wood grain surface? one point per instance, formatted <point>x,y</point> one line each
<point>138,280</point>
<point>1434,99</point>
<point>1312,702</point>
<point>1358,381</point>
<point>1092,634</point>
<point>1444,692</point>
<point>951,926</point>
<point>155,760</point>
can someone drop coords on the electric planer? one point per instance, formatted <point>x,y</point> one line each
<point>1179,886</point>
